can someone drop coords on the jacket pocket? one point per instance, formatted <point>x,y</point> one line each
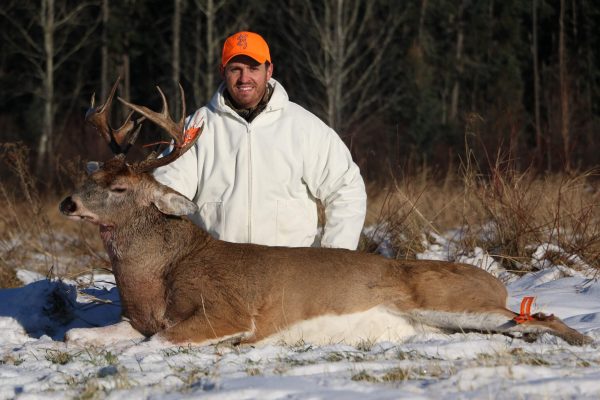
<point>211,218</point>
<point>295,224</point>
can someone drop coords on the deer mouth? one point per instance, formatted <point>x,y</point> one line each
<point>84,217</point>
<point>91,218</point>
<point>72,210</point>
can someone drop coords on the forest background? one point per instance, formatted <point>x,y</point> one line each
<point>476,120</point>
<point>404,83</point>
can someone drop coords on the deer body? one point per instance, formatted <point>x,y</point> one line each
<point>179,283</point>
<point>176,281</point>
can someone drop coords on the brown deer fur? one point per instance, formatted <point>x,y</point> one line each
<point>176,281</point>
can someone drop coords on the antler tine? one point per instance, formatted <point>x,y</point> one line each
<point>182,141</point>
<point>98,116</point>
<point>119,140</point>
<point>127,134</point>
<point>162,119</point>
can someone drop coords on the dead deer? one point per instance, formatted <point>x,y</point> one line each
<point>179,284</point>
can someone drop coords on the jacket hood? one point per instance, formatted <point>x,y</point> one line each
<point>278,100</point>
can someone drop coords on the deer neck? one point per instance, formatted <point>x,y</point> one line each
<point>149,242</point>
<point>141,252</point>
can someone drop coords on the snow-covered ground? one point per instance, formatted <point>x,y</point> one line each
<point>36,363</point>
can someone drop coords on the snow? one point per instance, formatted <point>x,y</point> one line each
<point>35,361</point>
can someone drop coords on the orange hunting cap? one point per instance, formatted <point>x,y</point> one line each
<point>245,43</point>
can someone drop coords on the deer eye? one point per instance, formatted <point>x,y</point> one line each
<point>118,189</point>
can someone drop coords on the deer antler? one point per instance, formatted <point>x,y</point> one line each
<point>119,140</point>
<point>182,140</point>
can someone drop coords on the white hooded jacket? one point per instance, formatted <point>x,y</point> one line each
<point>257,182</point>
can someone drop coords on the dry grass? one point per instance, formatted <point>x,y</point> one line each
<point>411,208</point>
<point>505,212</point>
<point>33,234</point>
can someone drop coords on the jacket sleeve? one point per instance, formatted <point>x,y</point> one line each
<point>182,174</point>
<point>335,179</point>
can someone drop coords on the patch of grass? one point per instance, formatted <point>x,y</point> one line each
<point>8,277</point>
<point>58,356</point>
<point>99,385</point>
<point>408,355</point>
<point>365,345</point>
<point>523,357</point>
<point>583,363</point>
<point>12,360</point>
<point>191,376</point>
<point>100,357</point>
<point>504,211</point>
<point>253,371</point>
<point>294,362</point>
<point>396,374</point>
<point>170,352</point>
<point>334,356</point>
<point>301,346</point>
<point>92,390</point>
<point>252,368</point>
<point>364,376</point>
<point>34,232</point>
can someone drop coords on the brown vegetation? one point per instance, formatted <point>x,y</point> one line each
<point>32,234</point>
<point>505,212</point>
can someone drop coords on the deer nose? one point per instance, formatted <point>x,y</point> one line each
<point>67,206</point>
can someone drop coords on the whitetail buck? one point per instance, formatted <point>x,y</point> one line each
<point>177,282</point>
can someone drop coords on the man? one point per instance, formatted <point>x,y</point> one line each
<point>262,161</point>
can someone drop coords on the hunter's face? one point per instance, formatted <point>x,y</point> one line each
<point>246,80</point>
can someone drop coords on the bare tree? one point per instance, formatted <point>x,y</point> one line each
<point>539,153</point>
<point>460,40</point>
<point>104,54</point>
<point>341,44</point>
<point>176,48</point>
<point>213,22</point>
<point>46,38</point>
<point>564,90</point>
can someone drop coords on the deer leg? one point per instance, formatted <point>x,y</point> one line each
<point>104,335</point>
<point>541,323</point>
<point>198,329</point>
<point>500,320</point>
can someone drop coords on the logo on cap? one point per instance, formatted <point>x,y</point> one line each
<point>242,40</point>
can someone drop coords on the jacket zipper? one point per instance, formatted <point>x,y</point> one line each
<point>249,183</point>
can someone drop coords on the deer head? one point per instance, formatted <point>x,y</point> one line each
<point>116,191</point>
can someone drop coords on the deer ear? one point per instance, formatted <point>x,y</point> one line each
<point>172,203</point>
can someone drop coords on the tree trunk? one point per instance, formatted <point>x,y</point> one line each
<point>564,91</point>
<point>422,15</point>
<point>539,152</point>
<point>45,143</point>
<point>196,72</point>
<point>125,85</point>
<point>209,84</point>
<point>175,60</point>
<point>104,62</point>
<point>460,38</point>
<point>339,51</point>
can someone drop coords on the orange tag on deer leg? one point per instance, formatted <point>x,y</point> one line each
<point>525,314</point>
